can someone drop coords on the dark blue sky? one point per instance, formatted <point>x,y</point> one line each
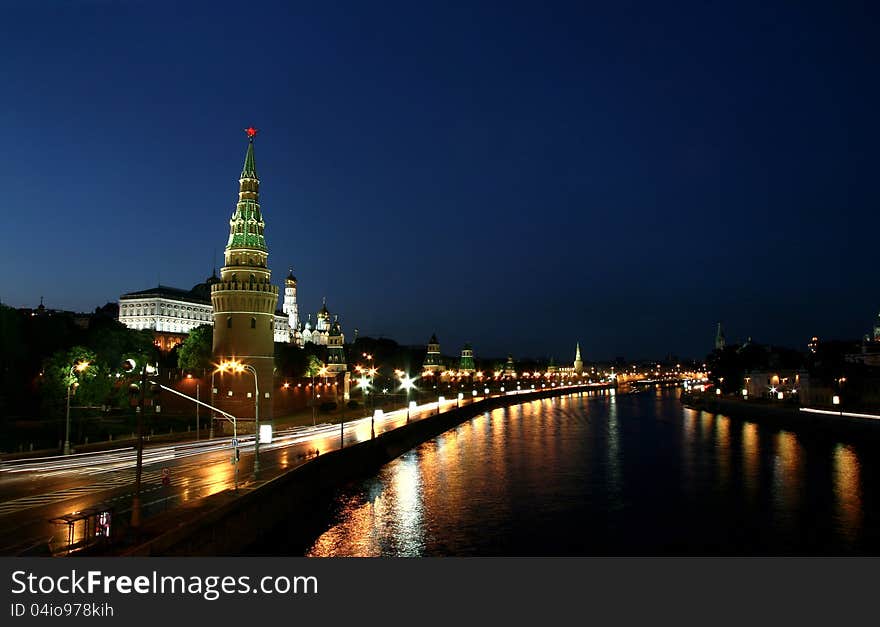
<point>516,175</point>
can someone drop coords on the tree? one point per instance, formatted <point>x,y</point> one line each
<point>91,385</point>
<point>313,366</point>
<point>112,341</point>
<point>196,351</point>
<point>12,352</point>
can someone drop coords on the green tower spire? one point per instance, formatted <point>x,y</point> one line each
<point>246,226</point>
<point>250,167</point>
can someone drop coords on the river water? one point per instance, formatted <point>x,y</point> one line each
<point>614,474</point>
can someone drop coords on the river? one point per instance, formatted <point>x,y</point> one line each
<point>614,474</point>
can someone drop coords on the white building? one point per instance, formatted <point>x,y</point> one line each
<point>170,311</point>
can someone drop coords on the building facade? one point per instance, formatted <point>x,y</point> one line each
<point>172,313</point>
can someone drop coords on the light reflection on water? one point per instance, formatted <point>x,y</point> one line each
<point>631,474</point>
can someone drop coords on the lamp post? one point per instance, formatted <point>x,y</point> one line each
<point>371,370</point>
<point>238,367</point>
<point>129,366</point>
<point>407,383</point>
<point>79,367</point>
<point>225,415</point>
<point>313,398</point>
<point>211,426</point>
<point>323,374</point>
<point>189,377</point>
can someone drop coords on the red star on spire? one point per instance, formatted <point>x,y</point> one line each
<point>251,131</point>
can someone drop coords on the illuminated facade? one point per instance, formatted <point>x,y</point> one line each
<point>467,359</point>
<point>167,309</point>
<point>171,313</point>
<point>335,348</point>
<point>433,362</point>
<point>291,310</point>
<point>777,385</point>
<point>578,362</point>
<point>244,298</point>
<point>319,333</point>
<point>509,367</point>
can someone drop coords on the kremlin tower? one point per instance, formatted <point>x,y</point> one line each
<point>467,360</point>
<point>433,362</point>
<point>244,303</point>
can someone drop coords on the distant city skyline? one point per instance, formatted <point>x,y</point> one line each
<point>518,177</point>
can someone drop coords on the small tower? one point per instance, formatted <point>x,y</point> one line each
<point>551,367</point>
<point>290,307</point>
<point>322,325</point>
<point>467,359</point>
<point>719,339</point>
<point>433,363</point>
<point>335,348</point>
<point>578,362</point>
<point>307,331</point>
<point>509,367</point>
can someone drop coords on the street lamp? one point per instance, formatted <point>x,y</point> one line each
<point>189,377</point>
<point>407,383</point>
<point>79,367</point>
<point>238,367</point>
<point>129,366</point>
<point>372,372</point>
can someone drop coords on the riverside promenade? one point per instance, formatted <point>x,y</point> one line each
<point>228,522</point>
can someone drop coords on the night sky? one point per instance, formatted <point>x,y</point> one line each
<point>520,176</point>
